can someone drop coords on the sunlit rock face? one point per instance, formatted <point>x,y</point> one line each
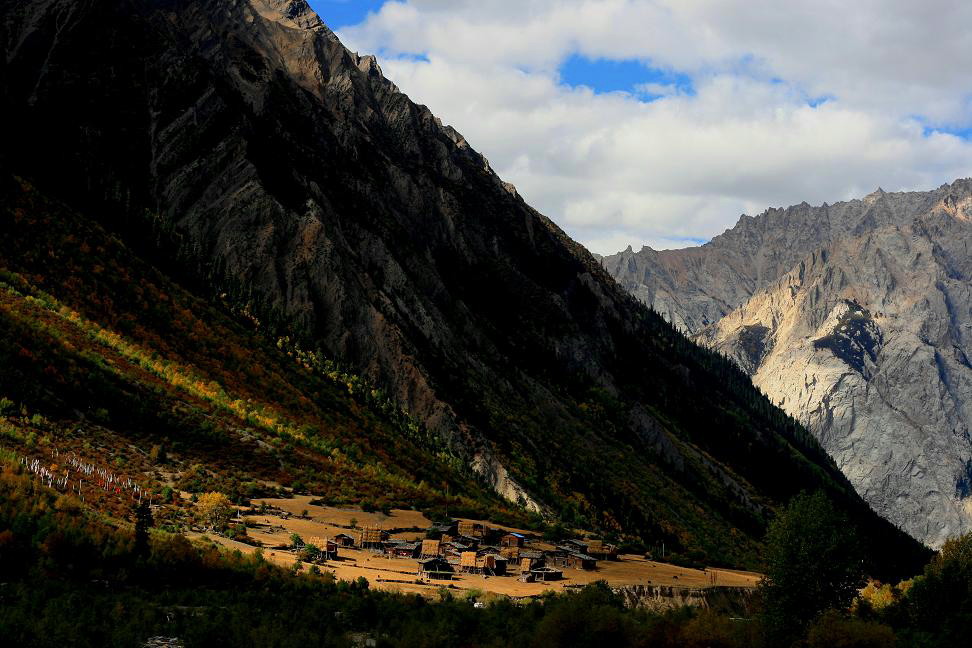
<point>856,318</point>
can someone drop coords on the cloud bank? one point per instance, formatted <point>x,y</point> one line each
<point>775,103</point>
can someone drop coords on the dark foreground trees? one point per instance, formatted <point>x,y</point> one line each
<point>814,563</point>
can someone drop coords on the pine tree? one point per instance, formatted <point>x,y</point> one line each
<point>143,522</point>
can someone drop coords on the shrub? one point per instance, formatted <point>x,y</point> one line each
<point>833,630</point>
<point>157,454</point>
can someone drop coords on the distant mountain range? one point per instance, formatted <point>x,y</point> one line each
<point>241,149</point>
<point>856,318</point>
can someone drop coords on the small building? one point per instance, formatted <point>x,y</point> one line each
<point>330,549</point>
<point>431,548</point>
<point>452,548</point>
<point>468,563</point>
<point>578,546</point>
<point>510,553</point>
<point>531,559</point>
<point>327,548</point>
<point>473,529</point>
<point>403,549</point>
<point>435,568</point>
<point>492,564</point>
<point>601,550</point>
<point>579,561</point>
<point>444,528</point>
<point>542,574</point>
<point>512,540</point>
<point>344,540</point>
<point>372,538</point>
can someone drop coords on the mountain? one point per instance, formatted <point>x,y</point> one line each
<point>855,318</point>
<point>106,357</point>
<point>237,146</point>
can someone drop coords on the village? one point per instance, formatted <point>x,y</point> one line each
<point>404,551</point>
<point>400,550</point>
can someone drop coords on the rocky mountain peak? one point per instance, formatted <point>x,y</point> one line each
<point>853,316</point>
<point>292,13</point>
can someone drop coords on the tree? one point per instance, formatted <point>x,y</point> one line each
<point>309,552</point>
<point>939,602</point>
<point>215,509</point>
<point>157,454</point>
<point>143,522</point>
<point>814,563</point>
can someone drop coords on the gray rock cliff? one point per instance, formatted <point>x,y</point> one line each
<point>857,319</point>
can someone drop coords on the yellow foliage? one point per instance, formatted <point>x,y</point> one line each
<point>214,508</point>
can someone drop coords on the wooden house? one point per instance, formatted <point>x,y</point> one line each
<point>578,546</point>
<point>579,561</point>
<point>468,563</point>
<point>531,559</point>
<point>472,529</point>
<point>453,548</point>
<point>541,574</point>
<point>344,540</point>
<point>403,549</point>
<point>431,548</point>
<point>492,563</point>
<point>601,550</point>
<point>327,547</point>
<point>371,538</point>
<point>435,568</point>
<point>442,529</point>
<point>512,540</point>
<point>330,549</point>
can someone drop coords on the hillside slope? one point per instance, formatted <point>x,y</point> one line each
<point>275,166</point>
<point>855,318</point>
<point>105,357</point>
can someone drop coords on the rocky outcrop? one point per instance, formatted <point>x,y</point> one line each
<point>284,171</point>
<point>856,319</point>
<point>739,602</point>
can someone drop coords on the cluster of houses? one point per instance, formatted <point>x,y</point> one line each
<point>461,546</point>
<point>472,547</point>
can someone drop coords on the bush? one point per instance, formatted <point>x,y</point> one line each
<point>6,406</point>
<point>833,630</point>
<point>157,454</point>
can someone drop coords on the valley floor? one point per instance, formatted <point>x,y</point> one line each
<point>271,534</point>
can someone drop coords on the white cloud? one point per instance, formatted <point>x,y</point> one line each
<point>615,170</point>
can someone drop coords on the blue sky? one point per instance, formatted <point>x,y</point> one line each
<point>341,13</point>
<point>605,75</point>
<point>700,111</point>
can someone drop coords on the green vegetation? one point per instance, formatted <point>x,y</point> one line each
<point>125,367</point>
<point>814,563</point>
